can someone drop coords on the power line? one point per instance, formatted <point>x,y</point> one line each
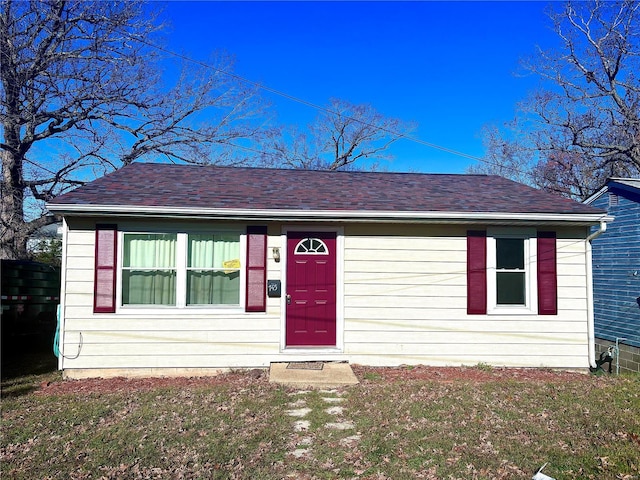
<point>293,98</point>
<point>307,103</point>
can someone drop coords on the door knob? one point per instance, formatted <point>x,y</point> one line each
<point>288,299</point>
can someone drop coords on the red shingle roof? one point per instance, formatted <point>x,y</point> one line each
<point>232,188</point>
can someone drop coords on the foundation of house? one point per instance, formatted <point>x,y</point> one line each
<point>82,373</point>
<point>629,358</point>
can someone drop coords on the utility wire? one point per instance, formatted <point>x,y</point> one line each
<point>307,103</point>
<point>293,98</point>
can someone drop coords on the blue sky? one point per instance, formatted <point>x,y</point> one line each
<point>449,66</point>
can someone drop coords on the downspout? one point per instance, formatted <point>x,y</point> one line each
<point>590,320</point>
<point>63,294</point>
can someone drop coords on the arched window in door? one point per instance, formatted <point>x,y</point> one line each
<point>311,246</point>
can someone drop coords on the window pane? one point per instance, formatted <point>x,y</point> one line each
<point>510,288</point>
<point>509,253</point>
<point>148,287</point>
<point>311,246</point>
<point>212,251</point>
<point>149,251</point>
<point>149,275</point>
<point>213,287</point>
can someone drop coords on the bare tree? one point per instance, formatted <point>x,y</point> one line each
<point>342,134</point>
<point>82,93</point>
<point>505,158</point>
<point>585,124</point>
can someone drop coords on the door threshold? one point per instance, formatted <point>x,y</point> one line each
<point>311,350</point>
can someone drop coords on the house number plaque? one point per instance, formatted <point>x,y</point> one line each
<point>273,288</point>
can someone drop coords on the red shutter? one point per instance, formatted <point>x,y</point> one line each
<point>256,269</point>
<point>547,274</point>
<point>104,287</point>
<point>476,272</point>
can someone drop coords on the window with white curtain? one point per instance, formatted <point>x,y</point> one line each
<point>180,269</point>
<point>149,269</point>
<point>213,270</point>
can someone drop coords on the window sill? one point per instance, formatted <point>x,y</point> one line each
<point>511,310</point>
<point>171,310</point>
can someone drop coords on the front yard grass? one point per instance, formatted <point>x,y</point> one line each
<point>238,427</point>
<point>504,429</point>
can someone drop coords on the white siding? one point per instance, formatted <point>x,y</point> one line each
<point>404,303</point>
<point>177,339</point>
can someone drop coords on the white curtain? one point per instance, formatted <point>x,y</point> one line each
<point>213,275</point>
<point>149,269</point>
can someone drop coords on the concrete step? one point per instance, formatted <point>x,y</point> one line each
<point>296,374</point>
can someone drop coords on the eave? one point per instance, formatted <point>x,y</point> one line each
<point>596,195</point>
<point>619,184</point>
<point>358,216</point>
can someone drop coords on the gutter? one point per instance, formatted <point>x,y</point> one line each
<point>324,215</point>
<point>590,315</point>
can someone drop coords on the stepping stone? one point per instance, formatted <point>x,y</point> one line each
<point>301,425</point>
<point>333,399</point>
<point>305,442</point>
<point>341,425</point>
<point>334,410</point>
<point>328,391</point>
<point>300,392</point>
<point>301,402</point>
<point>300,452</point>
<point>300,412</point>
<point>349,441</point>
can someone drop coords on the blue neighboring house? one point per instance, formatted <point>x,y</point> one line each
<point>616,271</point>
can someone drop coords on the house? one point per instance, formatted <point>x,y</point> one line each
<point>43,238</point>
<point>616,271</point>
<point>186,270</point>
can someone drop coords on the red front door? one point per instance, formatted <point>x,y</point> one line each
<point>311,289</point>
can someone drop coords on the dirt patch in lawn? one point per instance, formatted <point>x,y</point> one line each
<point>471,374</point>
<point>364,374</point>
<point>121,384</point>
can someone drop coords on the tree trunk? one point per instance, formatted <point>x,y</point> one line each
<point>14,233</point>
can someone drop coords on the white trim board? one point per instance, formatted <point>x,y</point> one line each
<point>339,231</point>
<point>329,215</point>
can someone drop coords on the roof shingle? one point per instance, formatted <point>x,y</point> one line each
<point>233,188</point>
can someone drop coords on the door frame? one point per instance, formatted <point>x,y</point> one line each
<point>339,231</point>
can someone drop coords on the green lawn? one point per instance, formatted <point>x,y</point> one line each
<point>237,426</point>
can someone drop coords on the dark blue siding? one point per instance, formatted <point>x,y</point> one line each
<point>616,270</point>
